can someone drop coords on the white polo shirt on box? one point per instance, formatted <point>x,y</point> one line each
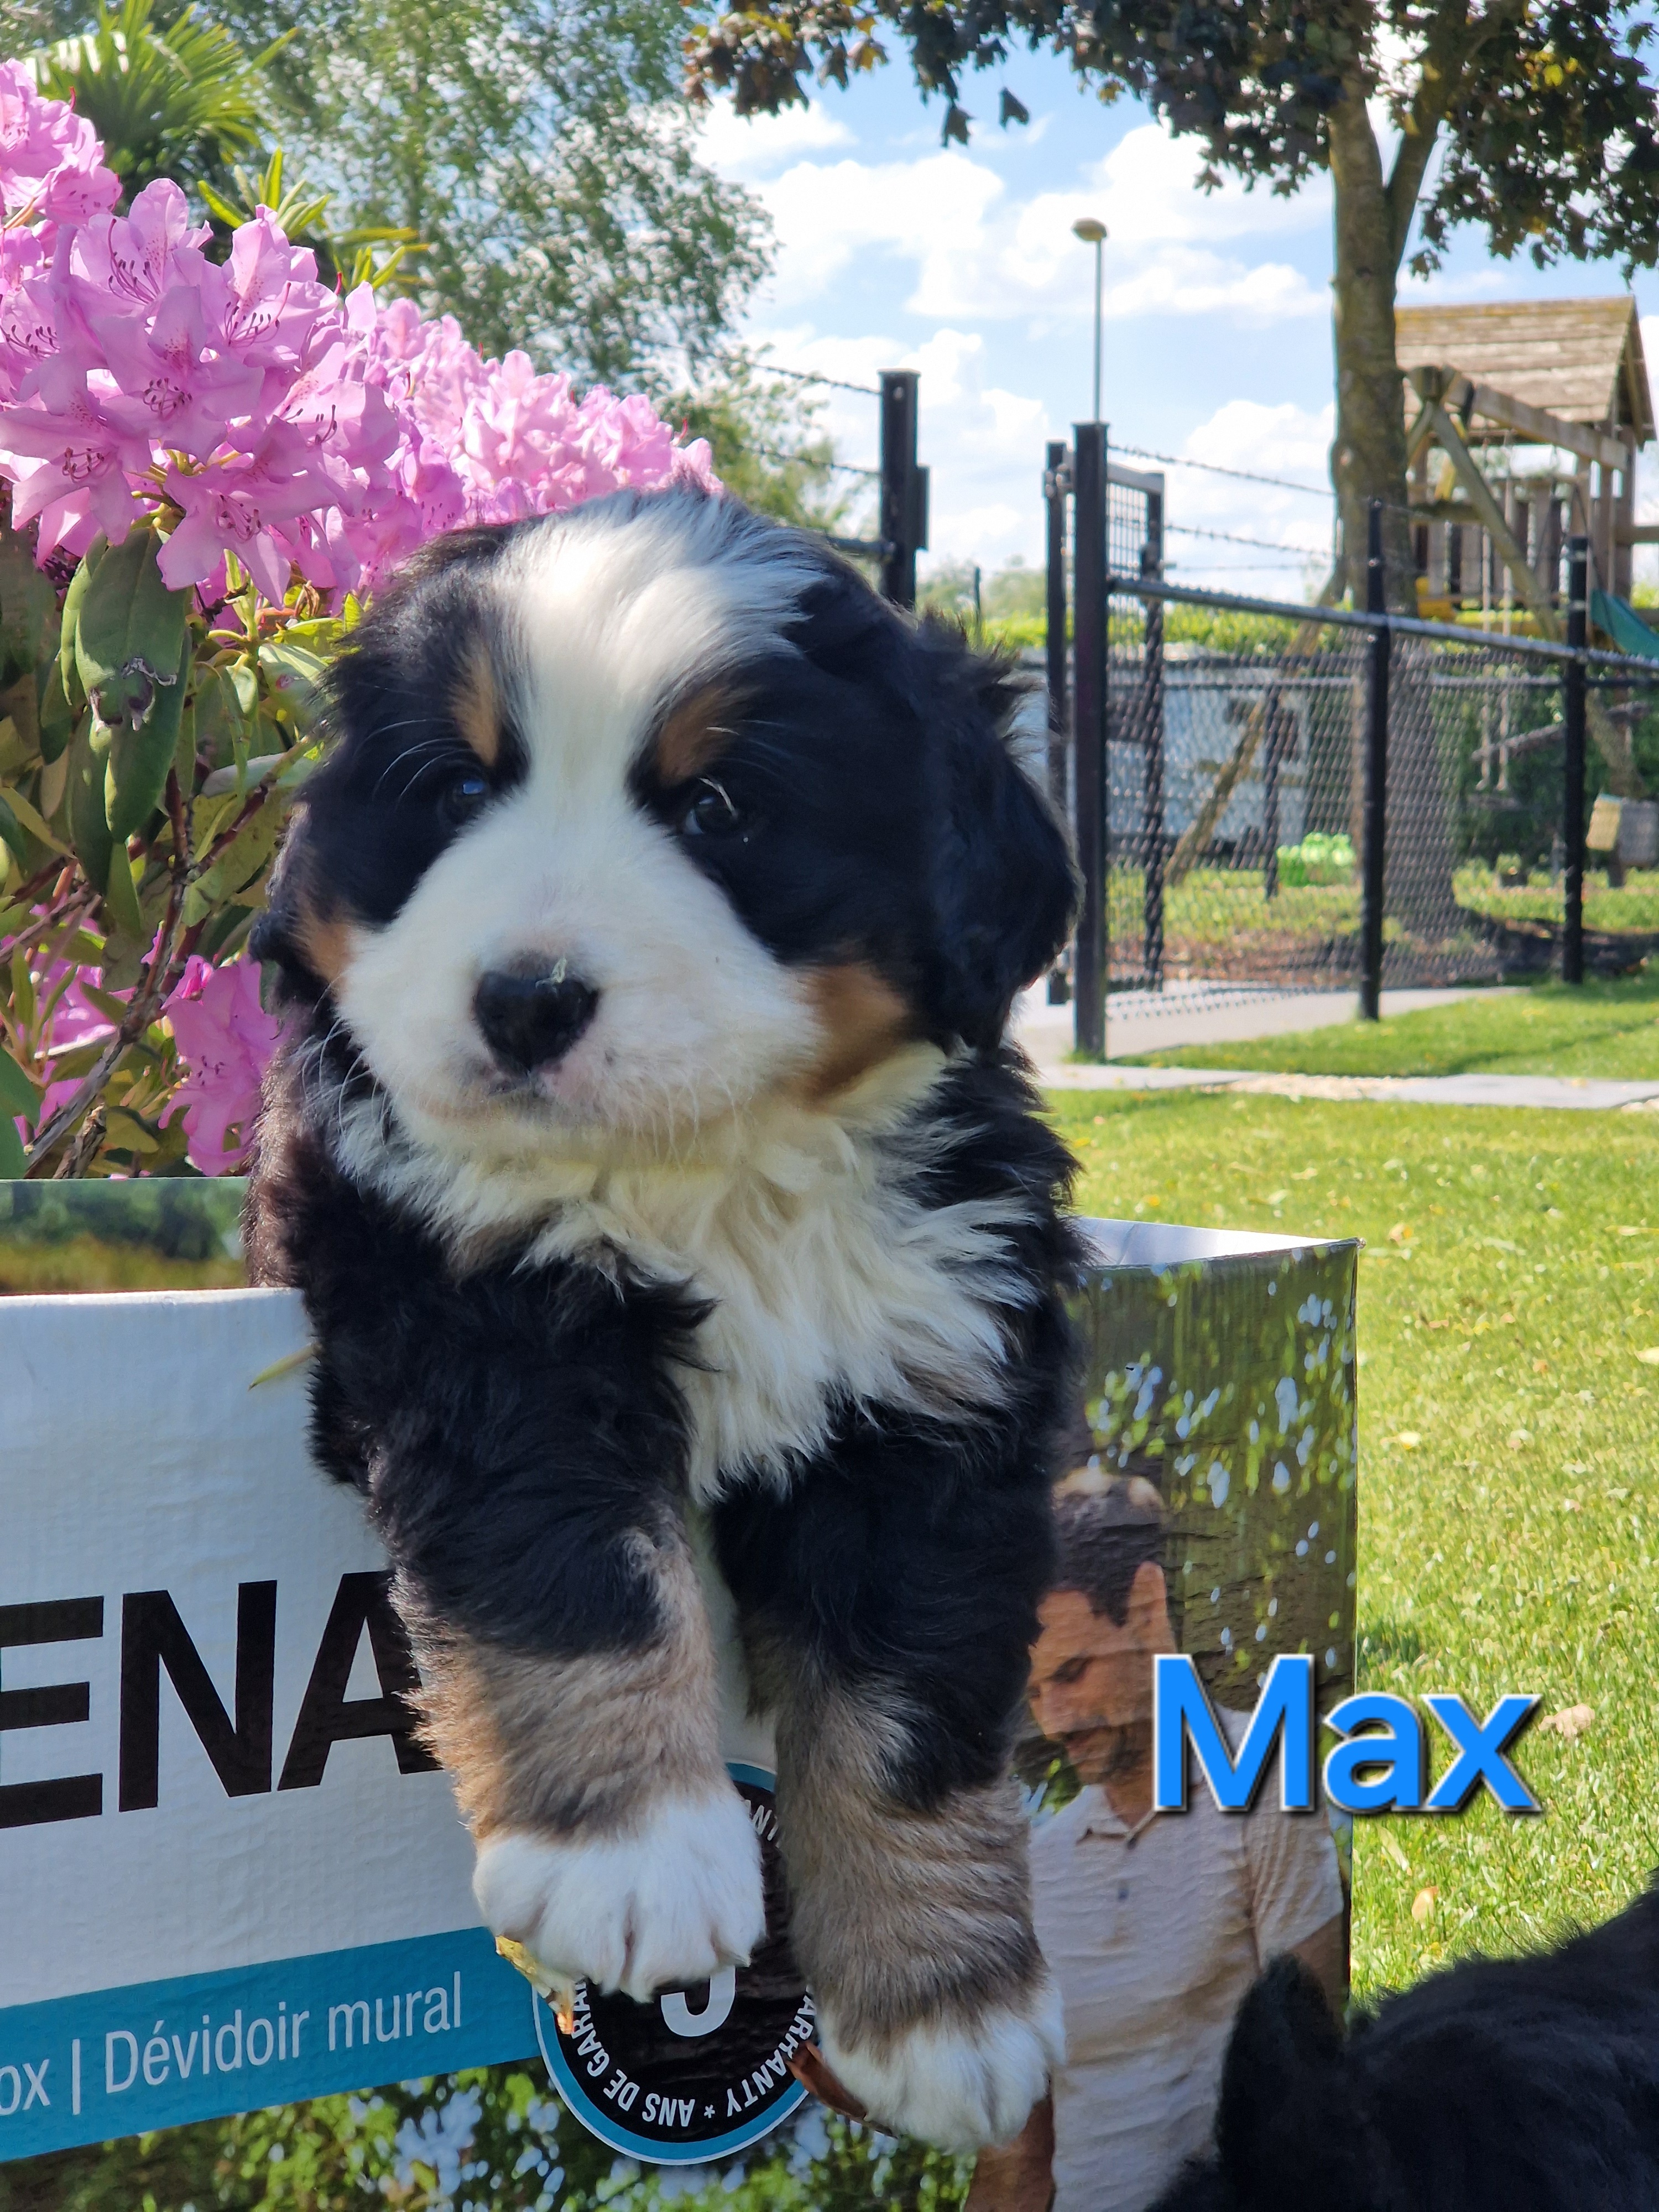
<point>1153,1934</point>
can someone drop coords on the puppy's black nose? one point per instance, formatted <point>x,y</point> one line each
<point>529,1020</point>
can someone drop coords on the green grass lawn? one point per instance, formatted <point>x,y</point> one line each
<point>1509,1494</point>
<point>1609,1029</point>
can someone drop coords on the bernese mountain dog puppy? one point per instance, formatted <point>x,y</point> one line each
<point>1497,2085</point>
<point>676,1226</point>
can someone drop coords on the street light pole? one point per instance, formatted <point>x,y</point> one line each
<point>1093,233</point>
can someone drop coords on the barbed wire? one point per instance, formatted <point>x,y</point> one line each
<point>811,376</point>
<point>1232,538</point>
<point>813,465</point>
<point>1215,469</point>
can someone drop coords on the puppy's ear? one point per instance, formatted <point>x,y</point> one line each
<point>1286,2133</point>
<point>288,936</point>
<point>1003,890</point>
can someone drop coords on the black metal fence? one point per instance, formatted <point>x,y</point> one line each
<point>1275,798</point>
<point>902,514</point>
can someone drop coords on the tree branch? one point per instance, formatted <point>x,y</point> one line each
<point>1454,45</point>
<point>158,980</point>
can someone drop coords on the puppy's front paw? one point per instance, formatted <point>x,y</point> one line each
<point>668,1903</point>
<point>957,2083</point>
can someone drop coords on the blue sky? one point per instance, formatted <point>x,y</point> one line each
<point>893,251</point>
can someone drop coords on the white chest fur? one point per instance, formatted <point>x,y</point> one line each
<point>829,1280</point>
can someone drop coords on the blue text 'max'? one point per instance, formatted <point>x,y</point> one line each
<point>1381,1765</point>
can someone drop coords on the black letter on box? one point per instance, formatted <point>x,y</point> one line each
<point>326,1716</point>
<point>153,1637</point>
<point>74,1797</point>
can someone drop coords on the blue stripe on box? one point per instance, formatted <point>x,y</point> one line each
<point>120,2062</point>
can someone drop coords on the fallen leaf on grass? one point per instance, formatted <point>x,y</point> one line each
<point>1275,1197</point>
<point>1650,1357</point>
<point>1401,1233</point>
<point>1641,1230</point>
<point>1423,1905</point>
<point>1407,1440</point>
<point>1540,1367</point>
<point>1395,1853</point>
<point>1569,1724</point>
<point>1520,1437</point>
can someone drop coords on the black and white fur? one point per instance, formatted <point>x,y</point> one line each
<point>1500,2085</point>
<point>660,1186</point>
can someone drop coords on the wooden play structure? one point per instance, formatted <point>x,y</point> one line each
<point>1524,421</point>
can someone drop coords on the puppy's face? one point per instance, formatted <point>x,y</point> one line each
<point>643,814</point>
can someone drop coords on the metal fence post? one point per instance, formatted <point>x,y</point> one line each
<point>1056,490</point>
<point>1088,721</point>
<point>903,488</point>
<point>1376,775</point>
<point>1572,783</point>
<point>1152,831</point>
<point>1056,487</point>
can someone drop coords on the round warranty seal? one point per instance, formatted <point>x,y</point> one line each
<point>697,2072</point>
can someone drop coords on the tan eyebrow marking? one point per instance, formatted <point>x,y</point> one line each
<point>695,732</point>
<point>477,707</point>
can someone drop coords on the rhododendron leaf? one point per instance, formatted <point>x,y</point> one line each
<point>28,611</point>
<point>221,721</point>
<point>245,685</point>
<point>19,728</point>
<point>13,1163</point>
<point>90,831</point>
<point>12,834</point>
<point>31,821</point>
<point>113,1009</point>
<point>55,715</point>
<point>299,677</point>
<point>68,675</point>
<point>121,895</point>
<point>129,636</point>
<point>17,1094</point>
<point>235,871</point>
<point>140,755</point>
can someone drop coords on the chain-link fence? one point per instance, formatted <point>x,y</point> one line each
<point>1229,857</point>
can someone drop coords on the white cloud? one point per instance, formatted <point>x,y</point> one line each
<point>981,254</point>
<point>1286,442</point>
<point>749,146</point>
<point>982,443</point>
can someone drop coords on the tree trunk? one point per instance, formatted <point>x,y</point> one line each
<point>1368,462</point>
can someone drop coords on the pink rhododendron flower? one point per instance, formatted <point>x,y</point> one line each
<point>51,166</point>
<point>253,414</point>
<point>298,431</point>
<point>226,1039</point>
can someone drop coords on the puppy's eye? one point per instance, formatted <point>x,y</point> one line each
<point>712,813</point>
<point>462,796</point>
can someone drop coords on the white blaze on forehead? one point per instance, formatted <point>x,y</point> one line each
<point>614,612</point>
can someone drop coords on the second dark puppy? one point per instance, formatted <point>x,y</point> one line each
<point>1502,2085</point>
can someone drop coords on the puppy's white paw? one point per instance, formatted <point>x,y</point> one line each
<point>960,2087</point>
<point>669,1903</point>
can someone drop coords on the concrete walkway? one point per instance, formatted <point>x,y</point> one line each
<point>1187,1014</point>
<point>1583,1093</point>
<point>1181,1018</point>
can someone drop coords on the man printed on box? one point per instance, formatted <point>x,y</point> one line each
<point>1153,1926</point>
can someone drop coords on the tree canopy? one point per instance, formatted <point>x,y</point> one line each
<point>537,149</point>
<point>1535,122</point>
